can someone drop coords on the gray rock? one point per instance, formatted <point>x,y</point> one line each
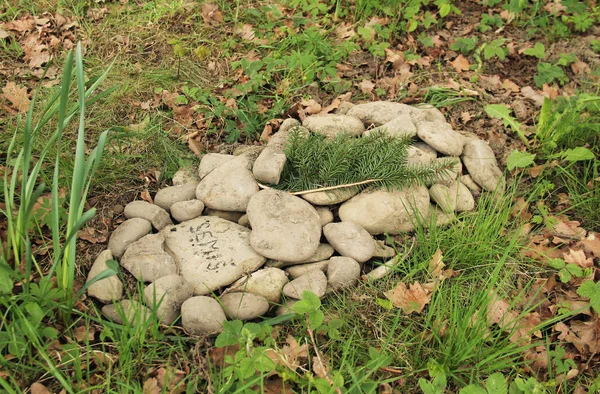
<point>314,281</point>
<point>284,227</point>
<point>211,252</point>
<point>202,315</point>
<point>228,187</point>
<point>227,215</point>
<point>127,312</point>
<point>267,282</point>
<point>464,198</point>
<point>168,196</point>
<point>153,213</point>
<point>471,185</point>
<point>325,215</point>
<point>147,260</point>
<point>166,294</point>
<point>243,221</point>
<point>427,113</point>
<point>391,212</point>
<point>442,196</point>
<point>482,165</point>
<point>441,137</point>
<point>298,270</point>
<point>401,126</point>
<point>416,155</point>
<point>342,272</point>
<point>288,124</point>
<point>269,166</point>
<point>324,251</point>
<point>350,240</point>
<point>331,125</point>
<point>438,218</point>
<point>184,176</point>
<point>383,251</point>
<point>377,113</point>
<point>128,232</point>
<point>343,108</point>
<point>187,210</point>
<point>449,177</point>
<point>210,161</point>
<point>244,306</point>
<point>331,197</point>
<point>107,289</point>
<point>286,308</point>
<point>249,153</point>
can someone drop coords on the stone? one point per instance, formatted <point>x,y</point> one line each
<point>229,187</point>
<point>401,126</point>
<point>391,212</point>
<point>378,113</point>
<point>211,252</point>
<point>128,232</point>
<point>471,185</point>
<point>383,251</point>
<point>288,124</point>
<point>147,260</point>
<point>325,215</point>
<point>227,215</point>
<point>343,108</point>
<point>331,197</point>
<point>331,125</point>
<point>286,308</point>
<point>168,196</point>
<point>284,227</point>
<point>464,198</point>
<point>416,155</point>
<point>269,166</point>
<point>127,312</point>
<point>427,113</point>
<point>350,240</point>
<point>342,272</point>
<point>298,270</point>
<point>202,315</point>
<point>244,306</point>
<point>184,176</point>
<point>437,217</point>
<point>210,161</point>
<point>187,210</point>
<point>243,221</point>
<point>151,212</point>
<point>440,136</point>
<point>314,281</point>
<point>108,289</point>
<point>324,251</point>
<point>166,294</point>
<point>442,196</point>
<point>450,176</point>
<point>249,153</point>
<point>482,165</point>
<point>267,282</point>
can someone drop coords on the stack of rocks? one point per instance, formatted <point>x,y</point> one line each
<point>214,246</point>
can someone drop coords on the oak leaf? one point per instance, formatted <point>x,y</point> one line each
<point>411,299</point>
<point>460,63</point>
<point>578,257</point>
<point>17,96</point>
<point>591,244</point>
<point>211,14</point>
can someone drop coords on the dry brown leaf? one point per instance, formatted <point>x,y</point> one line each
<point>17,96</point>
<point>491,83</point>
<point>38,388</point>
<point>151,387</point>
<point>82,333</point>
<point>409,300</point>
<point>3,33</point>
<point>531,94</point>
<point>102,359</point>
<point>246,31</point>
<point>96,13</point>
<point>569,229</point>
<point>319,367</point>
<point>217,354</point>
<point>170,380</point>
<point>211,14</point>
<point>535,171</point>
<point>580,67</point>
<point>460,63</point>
<point>466,117</point>
<point>578,257</point>
<point>436,265</point>
<point>345,31</point>
<point>510,85</point>
<point>555,7</point>
<point>275,385</point>
<point>366,86</point>
<point>195,146</point>
<point>334,105</point>
<point>394,57</point>
<point>591,243</point>
<point>311,107</point>
<point>549,92</point>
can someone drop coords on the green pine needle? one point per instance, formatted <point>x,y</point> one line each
<point>314,162</point>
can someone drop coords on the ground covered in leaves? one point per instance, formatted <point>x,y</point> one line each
<point>192,77</point>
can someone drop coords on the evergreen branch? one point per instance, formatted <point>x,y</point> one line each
<point>315,163</point>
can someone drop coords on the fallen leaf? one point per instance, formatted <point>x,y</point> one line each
<point>268,129</point>
<point>311,107</point>
<point>568,229</point>
<point>580,67</point>
<point>578,257</point>
<point>591,244</point>
<point>170,380</point>
<point>195,146</point>
<point>366,86</point>
<point>333,106</point>
<point>531,94</point>
<point>436,265</point>
<point>510,85</point>
<point>535,171</point>
<point>555,7</point>
<point>491,83</point>
<point>151,387</point>
<point>246,31</point>
<point>211,14</point>
<point>319,367</point>
<point>145,195</point>
<point>460,63</point>
<point>217,354</point>
<point>103,359</point>
<point>17,96</point>
<point>275,385</point>
<point>83,333</point>
<point>549,91</point>
<point>466,117</point>
<point>394,57</point>
<point>409,300</point>
<point>38,388</point>
<point>345,31</point>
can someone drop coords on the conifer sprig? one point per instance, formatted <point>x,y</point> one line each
<point>313,162</point>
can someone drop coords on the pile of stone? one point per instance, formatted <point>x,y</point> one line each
<point>219,245</point>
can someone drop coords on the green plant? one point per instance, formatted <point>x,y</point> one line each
<point>444,97</point>
<point>502,112</point>
<point>378,160</point>
<point>566,271</point>
<point>495,48</point>
<point>464,45</point>
<point>538,50</point>
<point>591,290</point>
